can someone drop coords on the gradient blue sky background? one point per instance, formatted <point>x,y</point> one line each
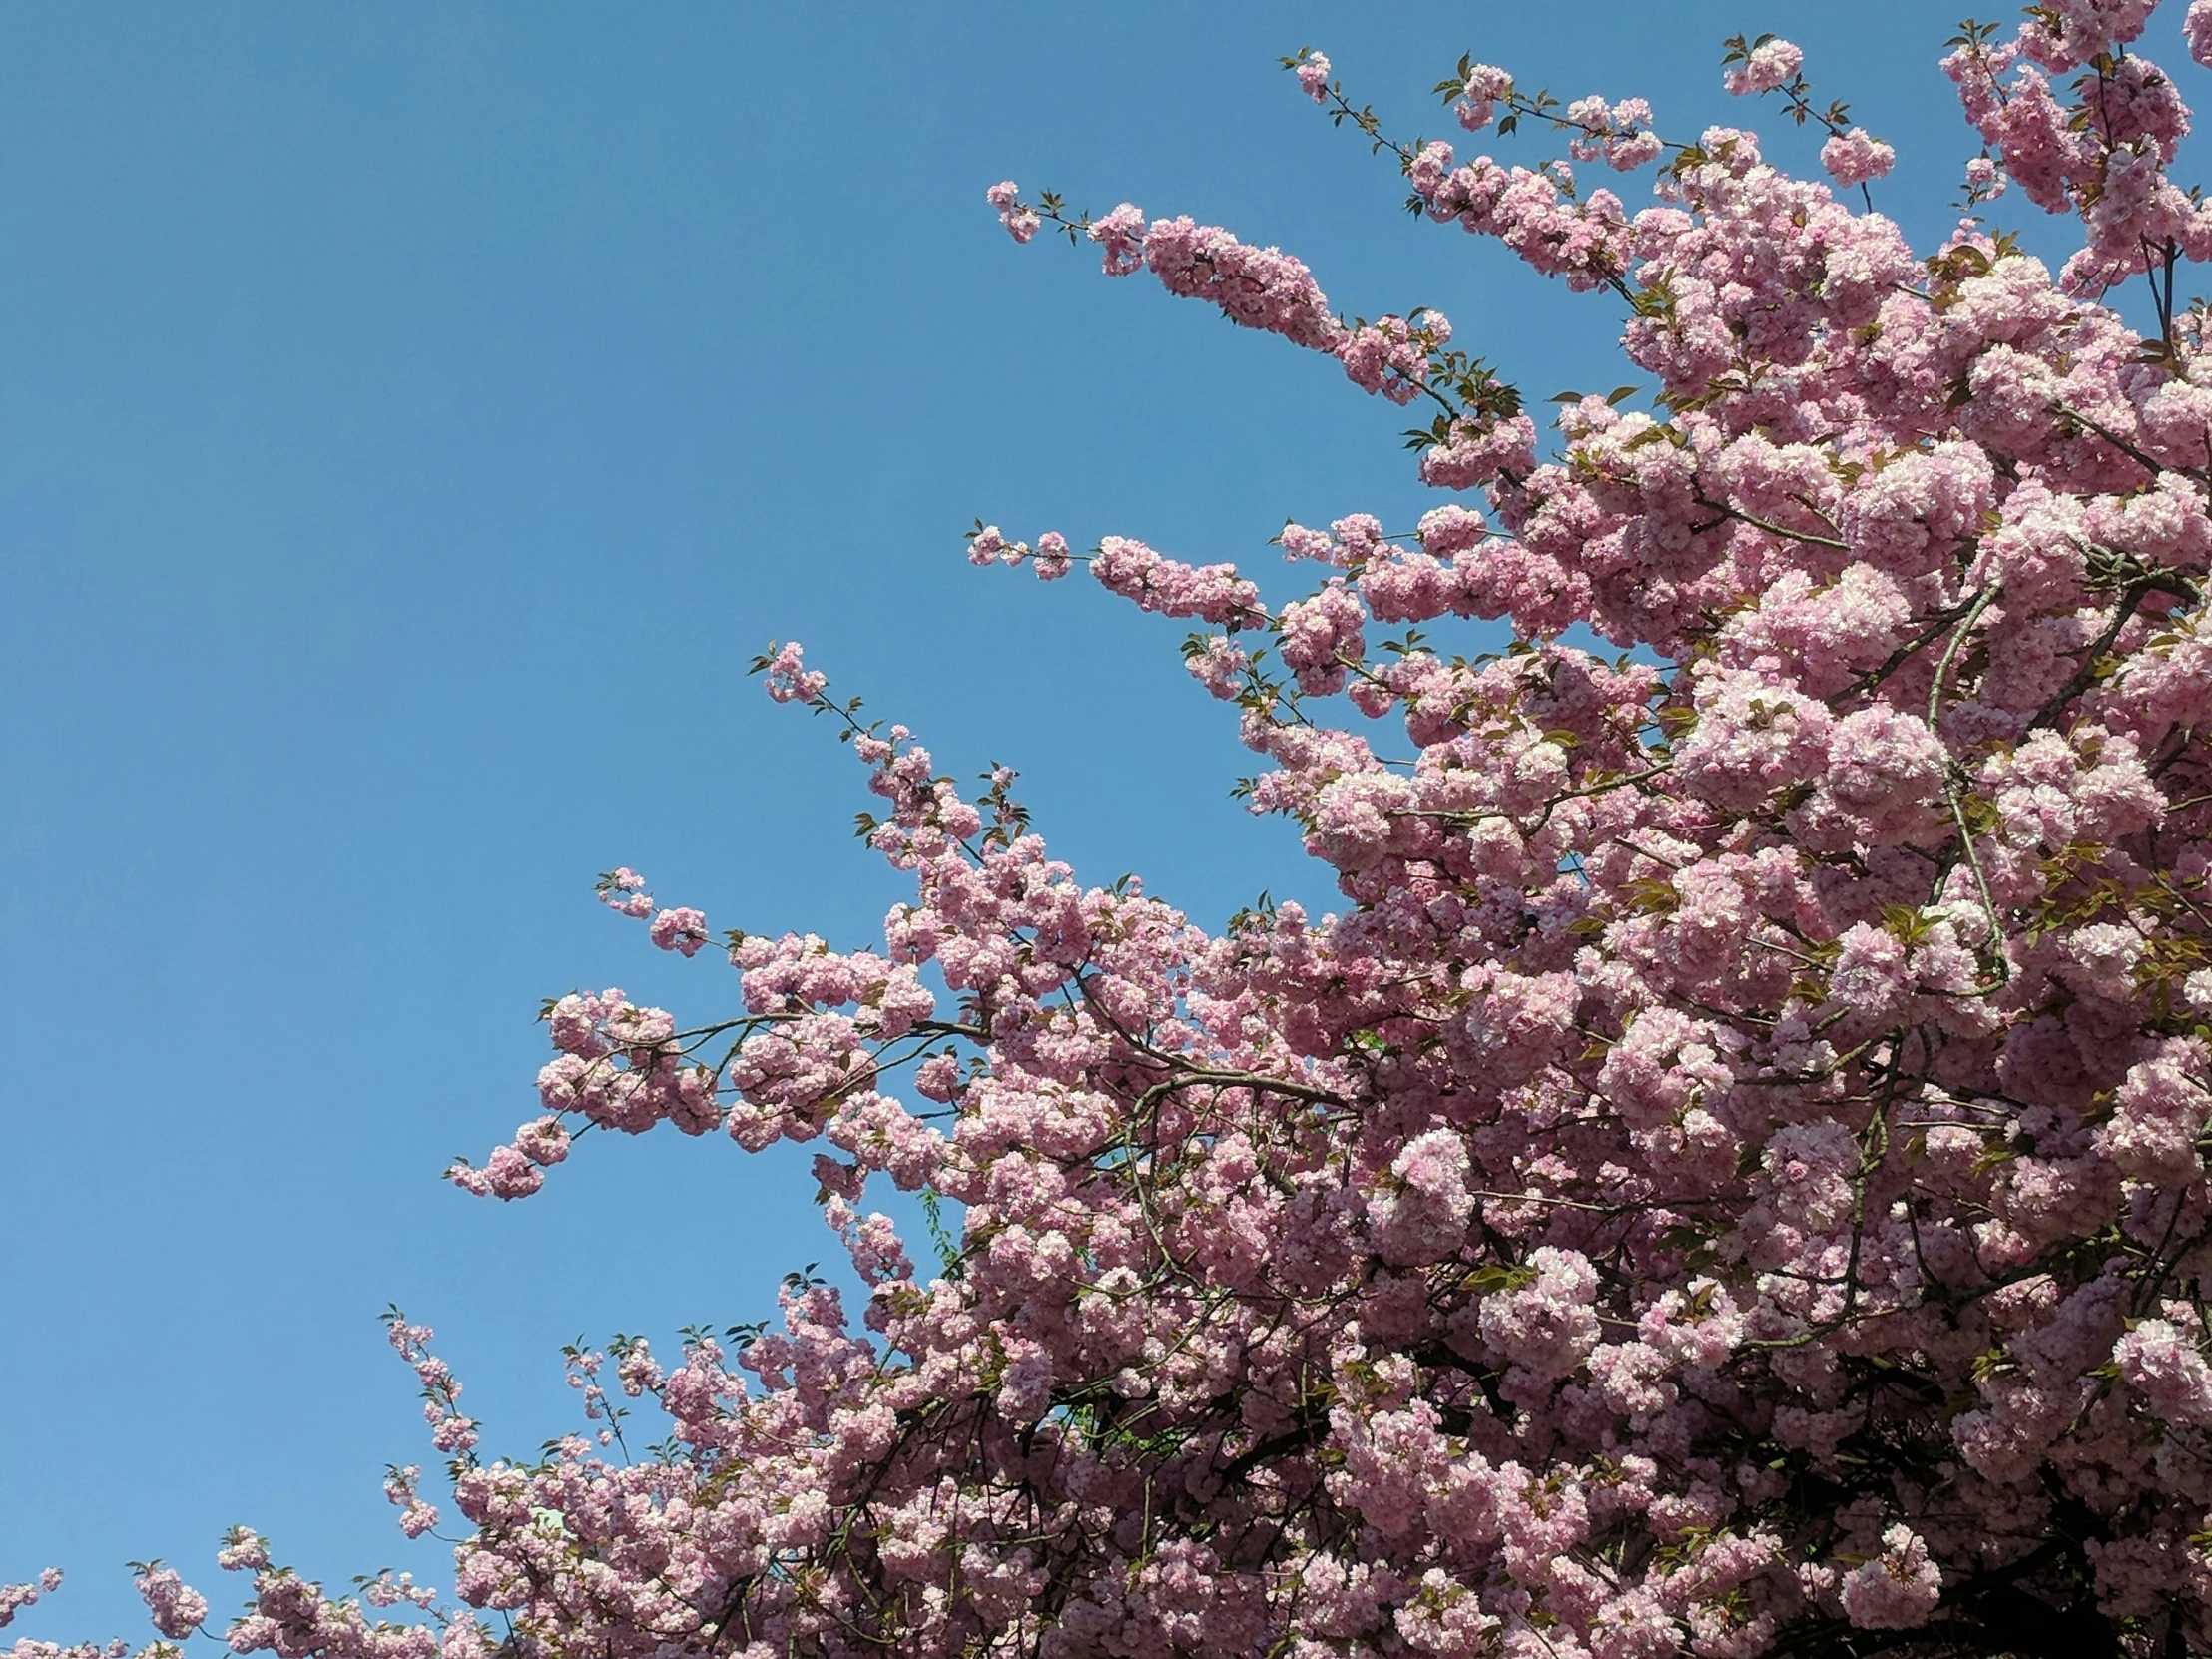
<point>411,420</point>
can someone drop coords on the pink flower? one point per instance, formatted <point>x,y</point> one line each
<point>681,930</point>
<point>1020,220</point>
<point>177,1608</point>
<point>1219,665</point>
<point>1214,592</point>
<point>2166,1366</point>
<point>623,891</point>
<point>1485,86</point>
<point>1546,1322</point>
<point>1856,157</point>
<point>544,1141</point>
<point>1312,75</point>
<point>1617,134</point>
<point>244,1550</point>
<point>1257,288</point>
<point>1896,1590</point>
<point>1120,236</point>
<point>1423,1211</point>
<point>1053,560</point>
<point>1390,356</point>
<point>789,680</point>
<point>1868,976</point>
<point>15,1598</point>
<point>1769,64</point>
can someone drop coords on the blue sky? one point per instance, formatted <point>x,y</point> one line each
<point>413,418</point>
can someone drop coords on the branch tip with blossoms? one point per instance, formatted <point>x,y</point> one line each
<point>15,1598</point>
<point>1852,155</point>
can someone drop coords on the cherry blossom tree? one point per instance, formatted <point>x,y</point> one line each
<point>1730,1179</point>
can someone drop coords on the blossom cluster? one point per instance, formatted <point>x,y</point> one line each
<point>1728,1178</point>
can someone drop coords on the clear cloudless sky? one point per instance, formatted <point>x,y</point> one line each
<point>413,418</point>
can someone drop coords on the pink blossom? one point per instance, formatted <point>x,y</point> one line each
<point>1313,76</point>
<point>1120,235</point>
<point>176,1608</point>
<point>244,1550</point>
<point>1020,220</point>
<point>15,1598</point>
<point>1619,135</point>
<point>1053,560</point>
<point>1257,288</point>
<point>1391,356</point>
<point>790,679</point>
<point>1425,1207</point>
<point>1214,592</point>
<point>623,891</point>
<point>1898,1589</point>
<point>2166,1366</point>
<point>1485,86</point>
<point>1868,976</point>
<point>1856,157</point>
<point>1769,64</point>
<point>1546,1322</point>
<point>681,930</point>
